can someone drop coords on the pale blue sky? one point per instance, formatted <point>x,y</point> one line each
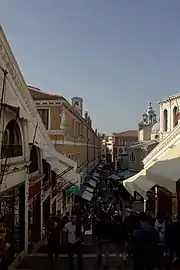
<point>116,54</point>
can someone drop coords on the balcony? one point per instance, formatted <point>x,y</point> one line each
<point>10,151</point>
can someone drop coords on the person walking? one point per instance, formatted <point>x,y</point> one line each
<point>103,235</point>
<point>74,230</point>
<point>54,240</point>
<point>144,245</point>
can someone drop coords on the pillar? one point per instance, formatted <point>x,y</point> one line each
<point>156,201</point>
<point>26,210</point>
<point>24,125</point>
<point>145,205</point>
<point>41,212</point>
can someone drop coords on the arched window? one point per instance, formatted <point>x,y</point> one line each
<point>175,119</point>
<point>165,120</point>
<point>12,140</point>
<point>34,160</point>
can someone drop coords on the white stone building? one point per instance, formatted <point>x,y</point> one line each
<point>161,173</point>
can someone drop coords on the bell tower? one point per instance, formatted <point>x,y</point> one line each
<point>77,103</point>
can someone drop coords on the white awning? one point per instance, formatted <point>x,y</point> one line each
<point>96,175</point>
<point>60,164</point>
<point>114,177</point>
<point>139,183</point>
<point>92,183</point>
<point>166,171</point>
<point>87,195</point>
<point>91,190</point>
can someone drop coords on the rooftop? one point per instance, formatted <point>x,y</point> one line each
<point>169,98</point>
<point>128,133</point>
<point>38,94</point>
<point>143,144</point>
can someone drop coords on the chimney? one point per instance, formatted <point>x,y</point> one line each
<point>90,123</point>
<point>88,120</point>
<point>86,116</point>
<point>96,131</point>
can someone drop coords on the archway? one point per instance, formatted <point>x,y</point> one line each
<point>175,119</point>
<point>165,120</point>
<point>12,140</point>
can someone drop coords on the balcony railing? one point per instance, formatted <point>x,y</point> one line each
<point>10,151</point>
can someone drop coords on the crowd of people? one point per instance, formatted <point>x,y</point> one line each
<point>150,243</point>
<point>140,239</point>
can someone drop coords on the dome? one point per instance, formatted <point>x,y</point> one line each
<point>156,128</point>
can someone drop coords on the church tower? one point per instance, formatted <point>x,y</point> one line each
<point>145,126</point>
<point>77,103</point>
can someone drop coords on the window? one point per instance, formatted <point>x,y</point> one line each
<point>132,157</point>
<point>165,120</point>
<point>69,156</point>
<point>175,117</point>
<point>44,114</point>
<point>12,141</point>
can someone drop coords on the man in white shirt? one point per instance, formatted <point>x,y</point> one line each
<point>74,230</point>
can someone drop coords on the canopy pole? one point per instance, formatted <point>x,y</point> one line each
<point>145,205</point>
<point>156,201</point>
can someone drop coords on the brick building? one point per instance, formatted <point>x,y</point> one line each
<point>121,142</point>
<point>71,133</point>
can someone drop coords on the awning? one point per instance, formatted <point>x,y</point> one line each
<point>114,177</point>
<point>126,174</point>
<point>87,195</point>
<point>72,189</point>
<point>91,190</point>
<point>62,166</point>
<point>92,183</point>
<point>166,171</point>
<point>96,175</point>
<point>139,183</point>
<point>94,178</point>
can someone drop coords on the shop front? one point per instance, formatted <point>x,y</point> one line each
<point>12,208</point>
<point>34,214</point>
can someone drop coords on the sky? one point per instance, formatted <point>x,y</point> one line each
<point>118,55</point>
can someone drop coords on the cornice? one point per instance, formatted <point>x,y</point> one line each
<point>170,98</point>
<point>172,138</point>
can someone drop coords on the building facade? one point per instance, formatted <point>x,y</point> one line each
<point>121,142</point>
<point>107,148</point>
<point>148,138</point>
<point>70,132</point>
<point>158,181</point>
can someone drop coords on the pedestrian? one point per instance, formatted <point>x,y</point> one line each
<point>103,235</point>
<point>74,230</point>
<point>144,245</point>
<point>54,240</point>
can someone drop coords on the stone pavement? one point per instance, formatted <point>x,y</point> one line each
<point>41,261</point>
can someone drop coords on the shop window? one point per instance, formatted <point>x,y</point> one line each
<point>12,140</point>
<point>165,120</point>
<point>175,118</point>
<point>44,114</point>
<point>34,160</point>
